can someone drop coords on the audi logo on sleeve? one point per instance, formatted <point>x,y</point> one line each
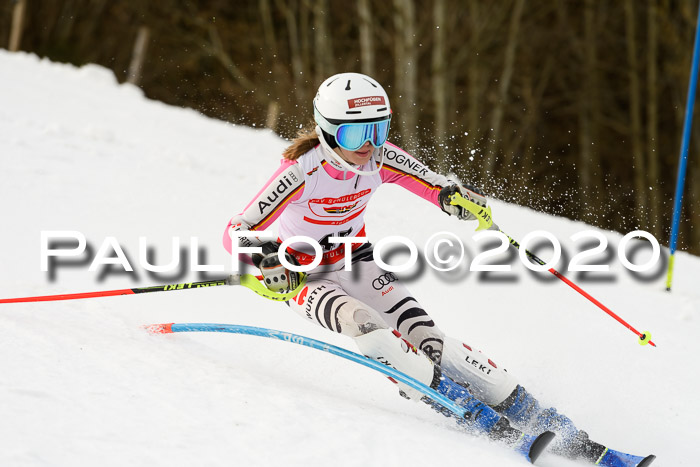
<point>382,281</point>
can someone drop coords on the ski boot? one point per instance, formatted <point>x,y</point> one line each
<point>483,419</point>
<point>525,412</point>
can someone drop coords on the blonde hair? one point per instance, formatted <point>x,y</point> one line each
<point>305,141</point>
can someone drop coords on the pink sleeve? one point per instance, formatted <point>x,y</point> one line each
<point>405,170</point>
<point>285,186</point>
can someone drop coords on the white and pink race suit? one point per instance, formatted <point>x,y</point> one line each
<point>315,197</point>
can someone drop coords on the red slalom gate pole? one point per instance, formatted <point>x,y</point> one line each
<point>644,338</point>
<point>483,215</point>
<point>110,293</point>
<point>246,280</point>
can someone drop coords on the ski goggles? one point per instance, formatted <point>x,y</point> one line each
<point>352,136</point>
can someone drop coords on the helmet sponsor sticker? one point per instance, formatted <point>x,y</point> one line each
<point>364,101</point>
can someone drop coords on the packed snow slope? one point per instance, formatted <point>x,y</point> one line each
<point>83,384</point>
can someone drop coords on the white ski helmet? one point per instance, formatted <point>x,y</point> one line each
<point>351,109</point>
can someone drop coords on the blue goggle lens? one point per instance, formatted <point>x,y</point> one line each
<point>352,136</point>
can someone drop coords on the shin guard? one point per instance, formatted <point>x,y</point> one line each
<point>387,346</point>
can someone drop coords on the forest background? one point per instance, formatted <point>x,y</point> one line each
<point>573,108</point>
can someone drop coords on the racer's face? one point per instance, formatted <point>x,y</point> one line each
<point>359,157</point>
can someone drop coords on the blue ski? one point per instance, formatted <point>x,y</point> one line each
<point>597,454</point>
<point>612,458</point>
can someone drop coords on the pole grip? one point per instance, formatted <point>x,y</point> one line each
<point>485,219</point>
<point>482,214</point>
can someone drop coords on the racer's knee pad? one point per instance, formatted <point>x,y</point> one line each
<point>357,319</point>
<point>327,304</point>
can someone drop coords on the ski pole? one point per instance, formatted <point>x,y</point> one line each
<point>246,280</point>
<point>483,215</point>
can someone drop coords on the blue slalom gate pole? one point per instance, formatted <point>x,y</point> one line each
<point>314,344</point>
<point>683,162</point>
<point>448,395</point>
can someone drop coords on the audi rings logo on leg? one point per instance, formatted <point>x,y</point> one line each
<point>382,281</point>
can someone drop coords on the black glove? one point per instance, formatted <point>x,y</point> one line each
<point>467,191</point>
<point>276,277</point>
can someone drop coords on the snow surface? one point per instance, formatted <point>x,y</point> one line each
<point>83,384</point>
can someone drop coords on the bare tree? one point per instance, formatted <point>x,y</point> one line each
<point>653,120</point>
<point>268,28</point>
<point>406,65</point>
<point>640,176</point>
<point>272,56</point>
<point>216,47</point>
<point>17,24</point>
<point>323,45</point>
<point>138,55</point>
<point>366,42</point>
<point>532,89</point>
<point>503,87</point>
<point>305,38</point>
<point>439,79</point>
<point>290,11</point>
<point>475,73</point>
<point>588,166</point>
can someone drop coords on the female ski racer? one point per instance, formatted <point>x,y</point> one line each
<point>321,190</point>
